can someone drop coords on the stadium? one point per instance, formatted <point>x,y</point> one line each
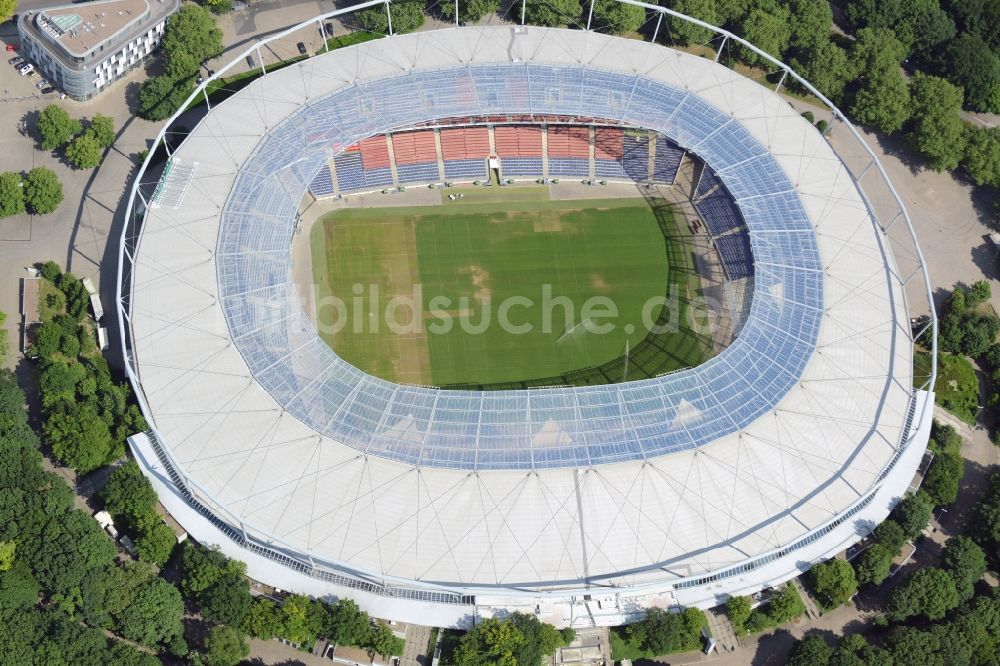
<point>580,494</point>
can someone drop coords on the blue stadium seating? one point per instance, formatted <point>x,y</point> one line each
<point>378,177</point>
<point>635,159</point>
<point>465,169</point>
<point>350,173</point>
<point>736,254</point>
<point>569,166</point>
<point>322,184</point>
<point>512,167</point>
<point>719,213</point>
<point>667,161</point>
<point>423,172</point>
<point>707,183</point>
<point>610,169</point>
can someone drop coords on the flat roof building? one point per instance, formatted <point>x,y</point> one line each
<point>82,48</point>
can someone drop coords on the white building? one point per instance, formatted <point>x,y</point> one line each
<point>82,48</point>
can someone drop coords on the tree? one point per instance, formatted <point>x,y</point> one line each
<point>825,66</point>
<point>154,616</point>
<point>7,8</point>
<point>128,495</point>
<point>469,11</point>
<point>155,541</point>
<point>346,623</point>
<point>854,649</point>
<point>738,609</point>
<point>70,549</point>
<point>965,561</point>
<point>18,589</point>
<point>835,580</point>
<point>191,38</point>
<point>891,535</point>
<point>912,646</point>
<point>11,196</point>
<point>912,514</point>
<point>84,152</point>
<point>938,131</point>
<point>301,618</point>
<point>768,27</point>
<point>616,17</point>
<point>102,128</point>
<point>541,639</point>
<point>227,600</point>
<point>941,481</point>
<point>786,605</point>
<point>928,592</point>
<point>883,103</point>
<point>42,191</point>
<point>56,127</point>
<point>552,12</point>
<point>79,438</point>
<point>873,565</point>
<point>380,641</point>
<point>491,641</point>
<point>123,654</point>
<point>982,155</point>
<point>686,32</point>
<point>968,62</point>
<point>919,24</point>
<point>263,620</point>
<point>406,17</point>
<point>662,632</point>
<point>219,6</point>
<point>810,651</point>
<point>201,567</point>
<point>225,646</point>
<point>811,23</point>
<point>979,292</point>
<point>161,96</point>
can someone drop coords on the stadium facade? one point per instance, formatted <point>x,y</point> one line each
<point>582,505</point>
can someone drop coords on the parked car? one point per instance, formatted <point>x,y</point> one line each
<point>251,63</point>
<point>302,48</point>
<point>16,60</point>
<point>26,68</point>
<point>47,89</point>
<point>42,84</point>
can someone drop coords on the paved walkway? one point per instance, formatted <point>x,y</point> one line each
<point>415,651</point>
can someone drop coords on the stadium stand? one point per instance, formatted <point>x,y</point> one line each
<point>322,184</point>
<point>635,156</point>
<point>414,147</point>
<point>736,255</point>
<point>350,173</point>
<point>521,166</point>
<point>569,151</point>
<point>516,141</point>
<point>708,182</point>
<point>569,166</point>
<point>465,169</point>
<point>667,161</point>
<point>378,177</point>
<point>566,141</point>
<point>416,156</point>
<point>464,151</point>
<point>719,213</point>
<point>374,153</point>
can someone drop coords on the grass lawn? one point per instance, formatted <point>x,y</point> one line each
<point>469,258</point>
<point>957,386</point>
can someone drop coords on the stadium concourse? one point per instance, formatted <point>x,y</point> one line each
<point>583,505</point>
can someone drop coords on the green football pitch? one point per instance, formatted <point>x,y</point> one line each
<point>508,285</point>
